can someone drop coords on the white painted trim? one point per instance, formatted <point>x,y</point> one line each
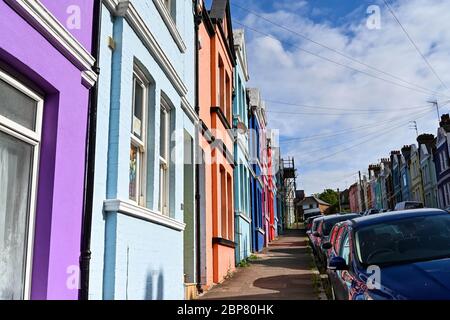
<point>167,18</point>
<point>33,138</point>
<point>39,16</point>
<point>243,216</point>
<point>189,110</point>
<point>126,9</point>
<point>136,211</point>
<point>89,78</point>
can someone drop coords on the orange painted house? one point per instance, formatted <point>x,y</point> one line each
<point>216,62</point>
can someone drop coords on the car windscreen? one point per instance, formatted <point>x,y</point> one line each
<point>413,205</point>
<point>329,223</point>
<point>315,224</point>
<point>407,240</point>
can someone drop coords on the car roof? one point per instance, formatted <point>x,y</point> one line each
<point>393,216</point>
<point>318,219</point>
<point>341,215</point>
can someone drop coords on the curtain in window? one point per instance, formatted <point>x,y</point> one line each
<point>15,172</point>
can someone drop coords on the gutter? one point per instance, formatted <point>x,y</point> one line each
<point>197,22</point>
<point>88,196</point>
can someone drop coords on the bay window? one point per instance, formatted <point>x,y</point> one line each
<point>20,135</point>
<point>138,139</point>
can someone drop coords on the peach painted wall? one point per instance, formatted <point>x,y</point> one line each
<point>219,259</point>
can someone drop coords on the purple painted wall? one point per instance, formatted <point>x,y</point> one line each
<point>25,53</point>
<point>67,12</point>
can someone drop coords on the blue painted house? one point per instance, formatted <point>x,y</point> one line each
<point>142,231</point>
<point>242,171</point>
<point>442,162</point>
<point>256,182</point>
<point>405,173</point>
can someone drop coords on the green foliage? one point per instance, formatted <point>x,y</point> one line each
<point>253,257</point>
<point>332,197</point>
<point>244,264</point>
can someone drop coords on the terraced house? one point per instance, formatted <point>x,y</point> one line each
<point>143,213</point>
<point>416,175</point>
<point>396,176</point>
<point>427,144</point>
<point>241,151</point>
<point>442,162</point>
<point>216,62</point>
<point>257,117</point>
<point>405,173</point>
<point>47,63</point>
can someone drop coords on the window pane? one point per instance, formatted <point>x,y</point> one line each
<point>133,172</point>
<point>15,179</point>
<point>163,134</point>
<point>138,109</point>
<point>17,106</point>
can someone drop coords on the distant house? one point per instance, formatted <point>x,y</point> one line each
<point>442,162</point>
<point>344,200</point>
<point>427,143</point>
<point>416,175</point>
<point>396,176</point>
<point>354,197</point>
<point>312,205</point>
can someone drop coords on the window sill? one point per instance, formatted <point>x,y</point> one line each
<point>170,23</point>
<point>224,242</point>
<point>243,216</point>
<point>133,210</point>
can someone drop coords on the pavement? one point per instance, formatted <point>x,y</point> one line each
<point>283,271</point>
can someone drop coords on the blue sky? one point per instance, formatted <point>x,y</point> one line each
<point>334,118</point>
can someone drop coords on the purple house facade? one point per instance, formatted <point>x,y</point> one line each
<point>46,74</point>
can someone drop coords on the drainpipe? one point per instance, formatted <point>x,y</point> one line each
<point>197,21</point>
<point>85,254</point>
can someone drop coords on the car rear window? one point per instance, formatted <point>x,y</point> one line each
<point>329,224</point>
<point>413,205</point>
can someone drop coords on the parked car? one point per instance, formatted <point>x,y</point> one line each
<point>324,231</point>
<point>370,212</point>
<point>409,251</point>
<point>408,205</point>
<point>309,222</point>
<point>334,236</point>
<point>306,216</point>
<point>313,234</point>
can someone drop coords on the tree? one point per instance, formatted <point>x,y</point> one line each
<point>332,197</point>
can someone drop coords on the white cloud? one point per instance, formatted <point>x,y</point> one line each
<point>286,73</point>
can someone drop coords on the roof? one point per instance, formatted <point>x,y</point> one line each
<point>316,200</point>
<point>393,216</point>
<point>319,201</point>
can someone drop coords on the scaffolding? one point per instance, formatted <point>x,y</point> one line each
<point>288,187</point>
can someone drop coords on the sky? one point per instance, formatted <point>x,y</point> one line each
<point>341,92</point>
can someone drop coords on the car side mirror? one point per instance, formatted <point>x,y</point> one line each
<point>326,246</point>
<point>316,234</point>
<point>337,263</point>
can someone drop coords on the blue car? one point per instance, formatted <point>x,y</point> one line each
<point>403,255</point>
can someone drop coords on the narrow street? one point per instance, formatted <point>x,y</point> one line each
<point>285,270</point>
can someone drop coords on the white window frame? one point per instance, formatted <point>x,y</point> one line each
<point>32,137</point>
<point>168,5</point>
<point>164,163</point>
<point>141,166</point>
